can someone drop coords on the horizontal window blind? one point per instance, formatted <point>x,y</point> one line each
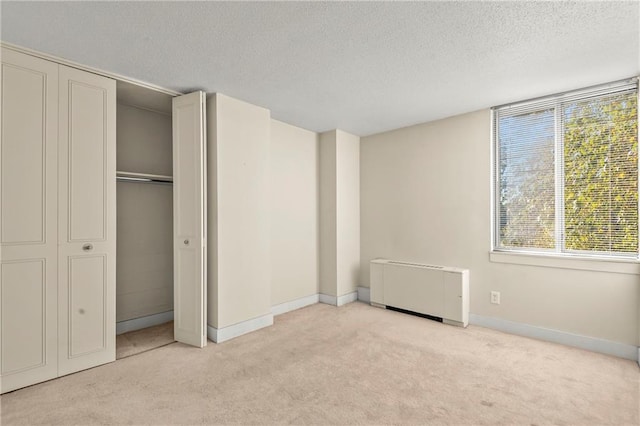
<point>526,165</point>
<point>517,108</point>
<point>567,173</point>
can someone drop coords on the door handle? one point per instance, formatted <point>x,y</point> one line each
<point>87,247</point>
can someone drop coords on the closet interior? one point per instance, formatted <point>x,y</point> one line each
<point>144,194</point>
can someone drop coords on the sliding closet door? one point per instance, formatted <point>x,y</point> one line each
<point>87,220</point>
<point>189,213</point>
<point>28,230</point>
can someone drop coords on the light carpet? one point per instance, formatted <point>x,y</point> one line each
<point>138,341</point>
<point>349,365</point>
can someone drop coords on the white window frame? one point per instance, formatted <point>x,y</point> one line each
<point>585,260</point>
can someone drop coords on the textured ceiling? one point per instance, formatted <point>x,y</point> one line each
<point>360,67</point>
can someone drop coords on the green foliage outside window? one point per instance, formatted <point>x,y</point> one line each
<point>601,175</point>
<point>597,186</point>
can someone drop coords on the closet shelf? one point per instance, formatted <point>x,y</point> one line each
<point>142,177</point>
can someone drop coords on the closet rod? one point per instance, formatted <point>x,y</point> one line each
<point>143,177</point>
<point>142,180</point>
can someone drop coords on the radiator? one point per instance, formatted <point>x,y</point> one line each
<point>437,291</point>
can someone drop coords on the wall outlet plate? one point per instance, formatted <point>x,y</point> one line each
<point>495,297</point>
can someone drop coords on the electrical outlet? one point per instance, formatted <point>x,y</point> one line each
<point>495,297</point>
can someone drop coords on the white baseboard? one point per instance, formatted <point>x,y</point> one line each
<point>143,322</point>
<point>328,300</point>
<point>593,344</point>
<point>364,294</point>
<point>347,298</point>
<point>295,304</point>
<point>340,300</point>
<point>220,335</point>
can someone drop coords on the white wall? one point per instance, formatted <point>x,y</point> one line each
<point>144,273</point>
<point>143,141</point>
<point>239,216</point>
<point>339,213</point>
<point>294,213</point>
<point>425,197</point>
<point>144,263</point>
<point>347,212</point>
<point>327,225</point>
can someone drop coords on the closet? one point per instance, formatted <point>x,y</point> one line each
<point>144,191</point>
<point>66,132</point>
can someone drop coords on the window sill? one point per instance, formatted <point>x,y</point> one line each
<point>619,266</point>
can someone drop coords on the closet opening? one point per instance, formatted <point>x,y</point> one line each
<point>144,221</point>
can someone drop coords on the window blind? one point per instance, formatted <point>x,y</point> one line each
<point>567,173</point>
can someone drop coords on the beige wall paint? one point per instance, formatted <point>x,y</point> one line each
<point>347,211</point>
<point>239,248</point>
<point>294,212</point>
<point>144,141</point>
<point>339,212</point>
<point>426,196</point>
<point>144,272</point>
<point>327,225</point>
<point>144,269</point>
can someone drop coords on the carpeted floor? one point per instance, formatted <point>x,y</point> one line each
<point>136,342</point>
<point>349,365</point>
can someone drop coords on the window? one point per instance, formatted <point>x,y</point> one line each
<point>566,173</point>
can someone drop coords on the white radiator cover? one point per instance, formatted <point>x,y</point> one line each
<point>439,291</point>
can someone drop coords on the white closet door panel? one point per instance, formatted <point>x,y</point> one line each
<point>187,298</point>
<point>87,184</point>
<point>24,146</point>
<point>23,315</point>
<point>189,213</point>
<point>28,230</point>
<point>87,223</point>
<point>87,315</point>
